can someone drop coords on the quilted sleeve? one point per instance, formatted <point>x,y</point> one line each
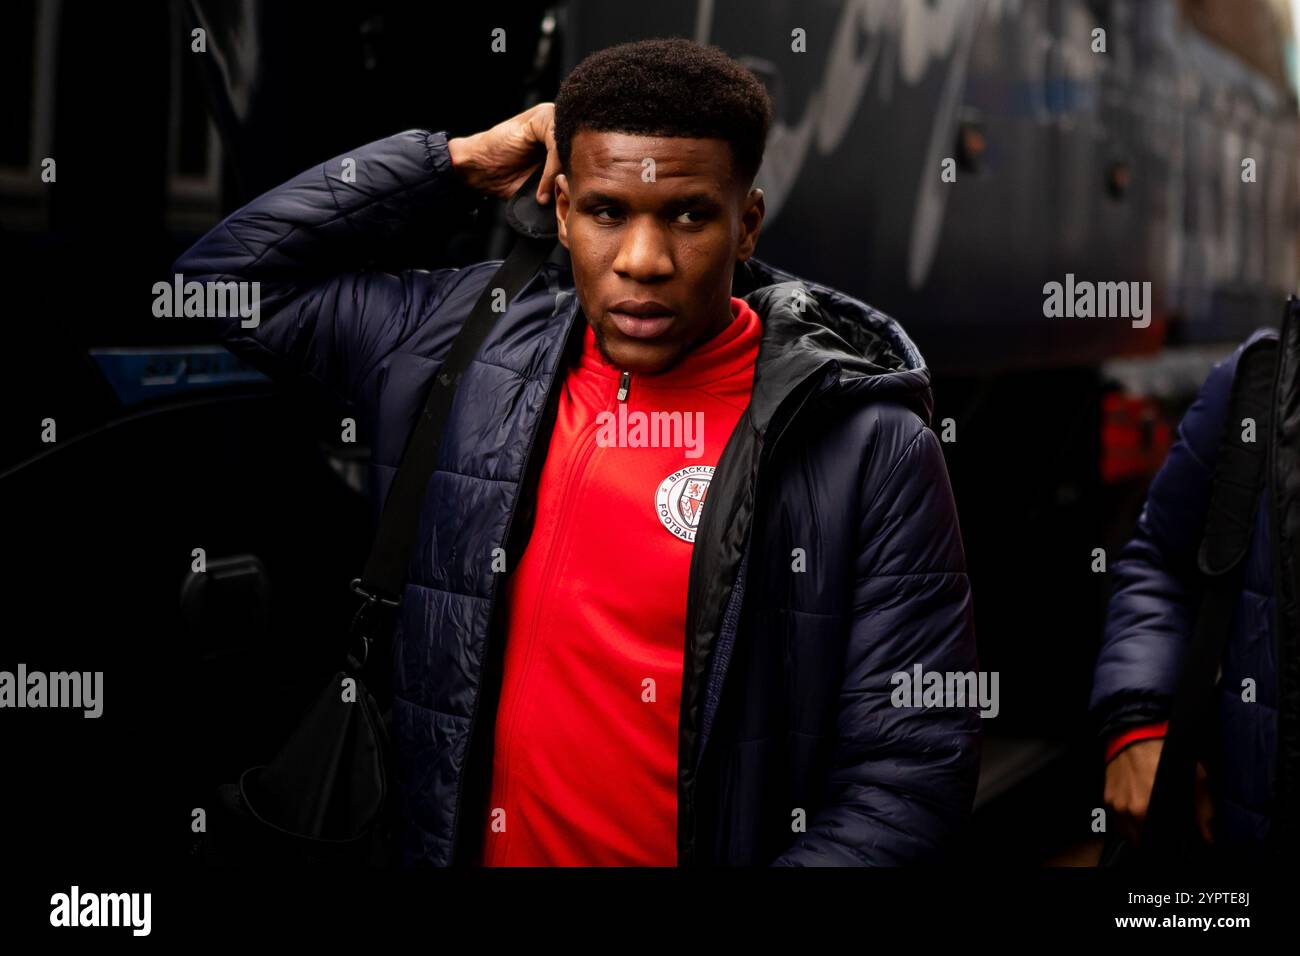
<point>306,251</point>
<point>1152,609</point>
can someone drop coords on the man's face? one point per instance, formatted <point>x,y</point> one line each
<point>654,226</point>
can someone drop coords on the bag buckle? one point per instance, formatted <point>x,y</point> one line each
<point>371,598</point>
<point>362,623</point>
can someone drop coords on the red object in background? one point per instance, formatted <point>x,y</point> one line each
<point>1135,437</point>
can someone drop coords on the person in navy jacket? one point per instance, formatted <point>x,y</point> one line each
<point>1152,616</point>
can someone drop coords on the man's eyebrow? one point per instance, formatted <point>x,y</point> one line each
<point>708,200</point>
<point>601,199</point>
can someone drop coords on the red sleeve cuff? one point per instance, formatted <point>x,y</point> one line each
<point>1133,735</point>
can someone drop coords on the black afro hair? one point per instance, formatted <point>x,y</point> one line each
<point>666,87</point>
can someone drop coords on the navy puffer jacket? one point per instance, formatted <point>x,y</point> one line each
<point>1158,589</point>
<point>786,702</point>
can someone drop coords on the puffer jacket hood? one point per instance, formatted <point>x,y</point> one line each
<point>870,356</point>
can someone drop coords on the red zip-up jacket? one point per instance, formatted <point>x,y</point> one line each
<point>584,769</point>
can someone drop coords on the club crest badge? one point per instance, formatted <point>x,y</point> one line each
<point>679,500</point>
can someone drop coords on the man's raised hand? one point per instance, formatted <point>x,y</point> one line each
<point>499,160</point>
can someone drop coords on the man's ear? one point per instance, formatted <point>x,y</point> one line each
<point>562,208</point>
<point>751,220</point>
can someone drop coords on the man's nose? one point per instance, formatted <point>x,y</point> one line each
<point>643,254</point>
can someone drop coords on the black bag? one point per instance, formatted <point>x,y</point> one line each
<point>1169,834</point>
<point>325,796</point>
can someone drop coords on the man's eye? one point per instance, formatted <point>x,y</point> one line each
<point>700,217</point>
<point>605,213</point>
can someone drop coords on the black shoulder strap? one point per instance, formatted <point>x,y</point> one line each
<point>385,573</point>
<point>1238,480</point>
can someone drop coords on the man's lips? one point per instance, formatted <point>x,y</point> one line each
<point>641,320</point>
